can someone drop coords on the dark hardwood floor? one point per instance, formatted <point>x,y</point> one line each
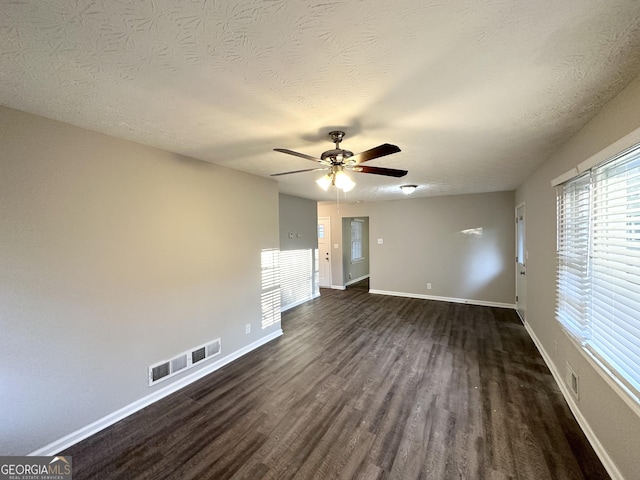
<point>361,387</point>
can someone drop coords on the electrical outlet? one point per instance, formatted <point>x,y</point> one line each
<point>428,286</point>
<point>247,328</point>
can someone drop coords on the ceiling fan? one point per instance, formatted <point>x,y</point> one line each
<point>337,160</point>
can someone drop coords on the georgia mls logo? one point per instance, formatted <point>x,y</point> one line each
<point>63,466</point>
<point>35,468</point>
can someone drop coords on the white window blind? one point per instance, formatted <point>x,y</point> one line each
<point>598,281</point>
<point>573,256</point>
<point>270,296</point>
<point>298,269</point>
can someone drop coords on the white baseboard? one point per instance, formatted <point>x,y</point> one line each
<point>65,442</point>
<point>338,287</point>
<point>356,280</point>
<point>608,464</point>
<point>445,299</point>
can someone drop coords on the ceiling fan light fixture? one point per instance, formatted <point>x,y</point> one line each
<point>324,182</point>
<point>343,182</point>
<point>408,189</point>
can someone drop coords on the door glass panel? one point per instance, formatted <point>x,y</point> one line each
<point>520,240</point>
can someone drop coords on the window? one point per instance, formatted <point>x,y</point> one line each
<point>298,277</point>
<point>270,297</point>
<point>356,240</point>
<point>598,277</point>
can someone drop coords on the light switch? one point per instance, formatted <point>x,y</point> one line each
<point>336,246</point>
<point>380,241</point>
<point>290,234</point>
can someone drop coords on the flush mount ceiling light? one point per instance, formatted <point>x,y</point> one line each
<point>337,160</point>
<point>408,189</point>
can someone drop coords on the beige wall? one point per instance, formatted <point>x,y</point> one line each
<point>613,424</point>
<point>115,256</point>
<point>463,245</point>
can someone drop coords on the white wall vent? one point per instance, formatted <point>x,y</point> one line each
<point>160,371</point>
<point>178,363</point>
<point>213,348</point>
<point>198,354</point>
<point>573,381</point>
<point>167,368</point>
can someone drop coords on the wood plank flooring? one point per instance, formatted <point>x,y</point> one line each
<point>361,387</point>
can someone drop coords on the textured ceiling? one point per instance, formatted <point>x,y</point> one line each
<point>477,93</point>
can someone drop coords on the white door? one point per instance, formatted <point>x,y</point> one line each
<point>521,257</point>
<point>324,251</point>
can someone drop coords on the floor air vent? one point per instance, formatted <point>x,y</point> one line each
<point>167,368</point>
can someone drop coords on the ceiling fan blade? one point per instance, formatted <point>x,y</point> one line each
<point>375,152</point>
<point>297,154</point>
<point>298,171</point>
<point>389,172</point>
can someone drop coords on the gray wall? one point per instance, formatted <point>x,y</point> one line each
<point>360,269</point>
<point>298,235</point>
<point>437,240</point>
<point>115,256</point>
<point>615,425</point>
<point>299,217</point>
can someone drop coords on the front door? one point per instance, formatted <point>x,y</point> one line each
<point>521,257</point>
<point>324,251</point>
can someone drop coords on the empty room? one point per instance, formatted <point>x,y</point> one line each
<point>297,240</point>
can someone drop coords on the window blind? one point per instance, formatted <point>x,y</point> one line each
<point>598,279</point>
<point>298,269</point>
<point>615,269</point>
<point>573,256</point>
<point>270,296</point>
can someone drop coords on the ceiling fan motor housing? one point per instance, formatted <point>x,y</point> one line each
<point>336,156</point>
<point>336,137</point>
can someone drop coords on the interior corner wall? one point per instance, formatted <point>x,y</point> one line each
<point>115,256</point>
<point>298,251</point>
<point>464,245</point>
<point>615,426</point>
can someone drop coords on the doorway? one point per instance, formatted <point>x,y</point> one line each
<point>355,249</point>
